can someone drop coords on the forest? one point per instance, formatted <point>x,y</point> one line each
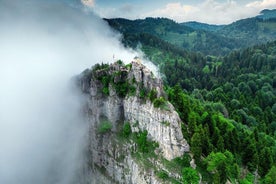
<point>227,101</point>
<point>229,106</point>
<point>218,40</point>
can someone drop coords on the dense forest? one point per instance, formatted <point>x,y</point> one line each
<point>216,40</point>
<point>179,35</point>
<point>227,103</point>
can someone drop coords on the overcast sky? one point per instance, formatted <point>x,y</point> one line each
<point>207,11</point>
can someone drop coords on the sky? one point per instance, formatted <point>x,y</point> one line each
<point>206,11</point>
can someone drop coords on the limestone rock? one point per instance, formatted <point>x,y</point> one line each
<point>109,159</point>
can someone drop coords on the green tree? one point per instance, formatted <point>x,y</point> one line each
<point>206,70</point>
<point>265,161</point>
<point>250,154</point>
<point>189,176</point>
<point>196,145</point>
<point>217,164</point>
<point>270,178</point>
<point>192,121</point>
<point>231,165</point>
<point>207,146</point>
<point>220,144</point>
<point>126,130</point>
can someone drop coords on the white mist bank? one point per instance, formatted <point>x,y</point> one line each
<point>42,45</point>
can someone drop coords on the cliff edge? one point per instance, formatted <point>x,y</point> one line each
<point>133,130</point>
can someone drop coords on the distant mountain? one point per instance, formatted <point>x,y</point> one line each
<point>252,31</point>
<point>202,26</point>
<point>156,26</point>
<point>199,37</point>
<point>179,35</point>
<point>267,14</point>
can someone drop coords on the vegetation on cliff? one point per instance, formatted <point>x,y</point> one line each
<point>229,111</point>
<point>227,105</point>
<point>117,77</point>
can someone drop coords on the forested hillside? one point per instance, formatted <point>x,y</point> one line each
<point>176,34</point>
<point>202,26</point>
<point>251,31</point>
<point>198,37</point>
<point>229,104</point>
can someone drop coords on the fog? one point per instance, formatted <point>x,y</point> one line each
<point>43,44</point>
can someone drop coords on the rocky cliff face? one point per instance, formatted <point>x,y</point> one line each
<point>120,95</point>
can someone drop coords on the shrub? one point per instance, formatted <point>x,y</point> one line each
<point>126,130</point>
<point>152,95</point>
<point>160,103</point>
<point>142,142</point>
<point>166,123</point>
<point>129,66</point>
<point>132,90</point>
<point>100,67</point>
<point>142,93</point>
<point>162,175</point>
<point>133,80</point>
<point>105,127</point>
<point>120,62</point>
<point>183,161</point>
<point>105,90</point>
<point>121,88</point>
<point>190,176</point>
<point>105,79</point>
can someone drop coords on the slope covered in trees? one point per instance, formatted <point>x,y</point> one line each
<point>251,31</point>
<point>228,102</point>
<point>229,105</point>
<point>207,39</point>
<point>202,26</point>
<point>176,34</point>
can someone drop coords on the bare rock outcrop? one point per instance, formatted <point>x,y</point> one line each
<point>119,93</point>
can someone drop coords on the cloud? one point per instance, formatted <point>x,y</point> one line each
<point>265,4</point>
<point>89,3</point>
<point>43,45</point>
<point>127,10</point>
<point>175,11</point>
<point>211,11</point>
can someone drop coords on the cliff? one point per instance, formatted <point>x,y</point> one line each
<point>133,130</point>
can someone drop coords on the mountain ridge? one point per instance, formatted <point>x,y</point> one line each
<point>199,37</point>
<point>267,14</point>
<point>202,26</point>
